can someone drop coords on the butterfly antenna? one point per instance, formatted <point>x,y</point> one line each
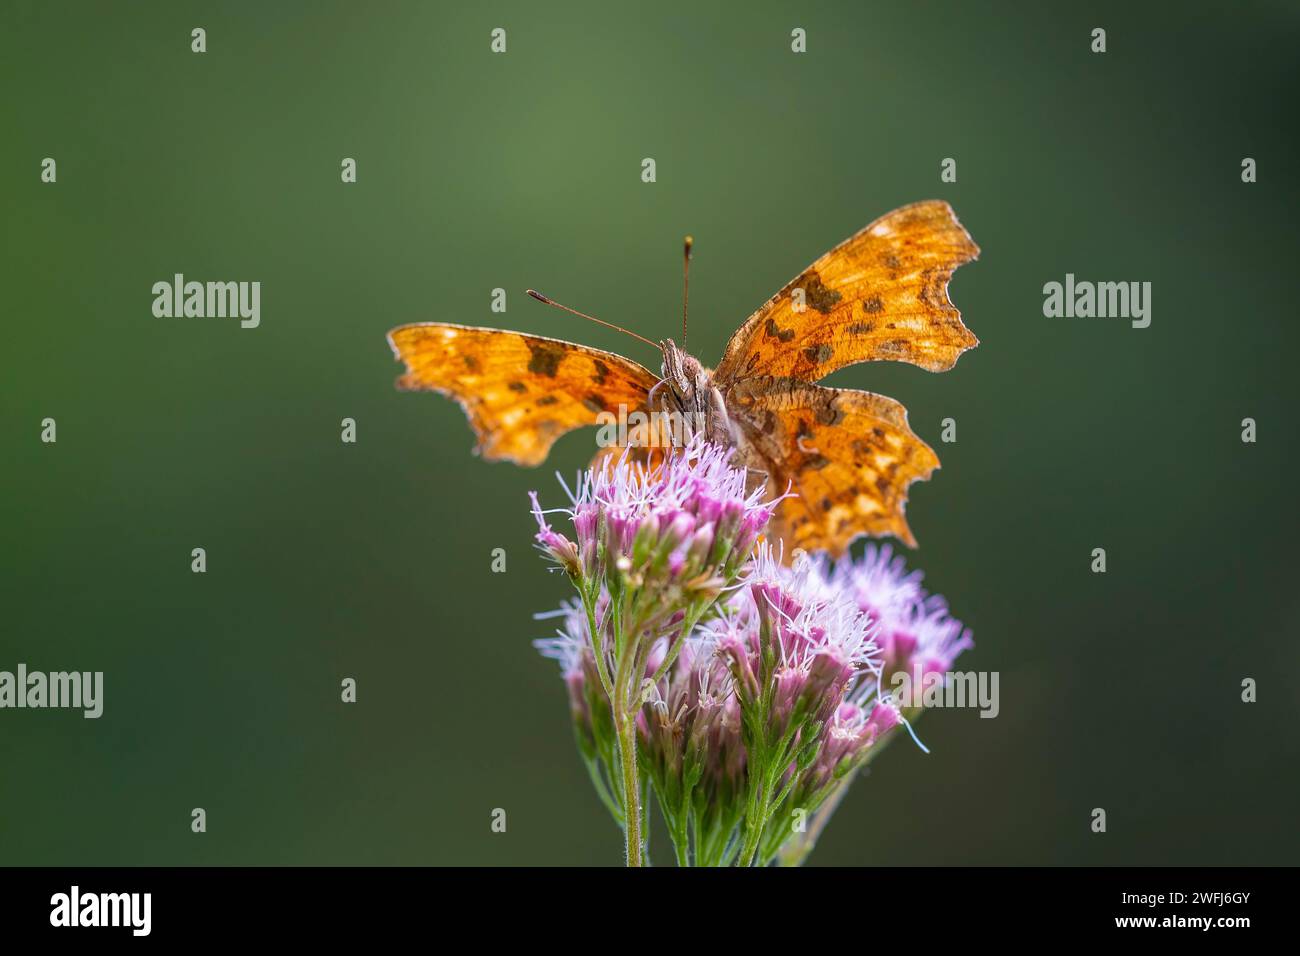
<point>686,282</point>
<point>609,325</point>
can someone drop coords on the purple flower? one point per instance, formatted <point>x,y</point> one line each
<point>691,717</point>
<point>686,522</point>
<point>571,649</point>
<point>879,582</point>
<point>744,689</point>
<point>818,638</point>
<point>915,632</point>
<point>851,731</point>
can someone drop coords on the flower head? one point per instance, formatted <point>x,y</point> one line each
<point>571,648</point>
<point>855,726</point>
<point>915,628</point>
<point>676,530</point>
<point>744,689</point>
<point>817,638</point>
<point>691,725</point>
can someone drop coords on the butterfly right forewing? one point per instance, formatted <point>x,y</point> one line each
<point>882,294</point>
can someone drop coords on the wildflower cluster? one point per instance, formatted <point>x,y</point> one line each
<point>654,546</point>
<point>744,693</point>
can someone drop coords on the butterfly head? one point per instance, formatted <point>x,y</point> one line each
<point>688,390</point>
<point>685,380</point>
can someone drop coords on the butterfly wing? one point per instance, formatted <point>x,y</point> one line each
<point>520,392</point>
<point>881,294</point>
<point>848,455</point>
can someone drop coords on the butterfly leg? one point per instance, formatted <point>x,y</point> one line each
<point>717,421</point>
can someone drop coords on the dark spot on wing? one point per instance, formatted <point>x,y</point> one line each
<point>828,414</point>
<point>546,357</point>
<point>932,291</point>
<point>602,370</point>
<point>471,362</point>
<point>776,332</point>
<point>816,294</point>
<point>594,402</point>
<point>517,387</point>
<point>547,400</point>
<point>817,354</point>
<point>873,305</point>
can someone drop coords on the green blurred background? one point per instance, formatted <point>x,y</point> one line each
<point>479,171</point>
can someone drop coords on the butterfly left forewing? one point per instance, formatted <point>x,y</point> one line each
<point>520,392</point>
<point>848,456</point>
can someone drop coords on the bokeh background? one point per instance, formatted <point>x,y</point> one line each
<point>479,171</point>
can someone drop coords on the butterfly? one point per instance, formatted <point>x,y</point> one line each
<point>847,455</point>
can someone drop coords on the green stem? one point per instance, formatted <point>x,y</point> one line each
<point>626,724</point>
<point>602,790</point>
<point>597,648</point>
<point>690,619</point>
<point>681,844</point>
<point>756,811</point>
<point>753,834</point>
<point>623,703</point>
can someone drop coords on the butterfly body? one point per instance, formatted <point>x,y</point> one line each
<point>688,393</point>
<point>848,455</point>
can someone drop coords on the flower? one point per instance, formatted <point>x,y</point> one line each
<point>742,690</point>
<point>935,638</point>
<point>571,648</point>
<point>676,530</point>
<point>916,633</point>
<point>851,731</point>
<point>691,740</point>
<point>818,637</point>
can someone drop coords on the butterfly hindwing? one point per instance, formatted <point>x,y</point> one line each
<point>881,294</point>
<point>847,455</point>
<point>520,392</point>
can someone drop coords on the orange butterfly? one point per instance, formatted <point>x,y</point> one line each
<point>848,455</point>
